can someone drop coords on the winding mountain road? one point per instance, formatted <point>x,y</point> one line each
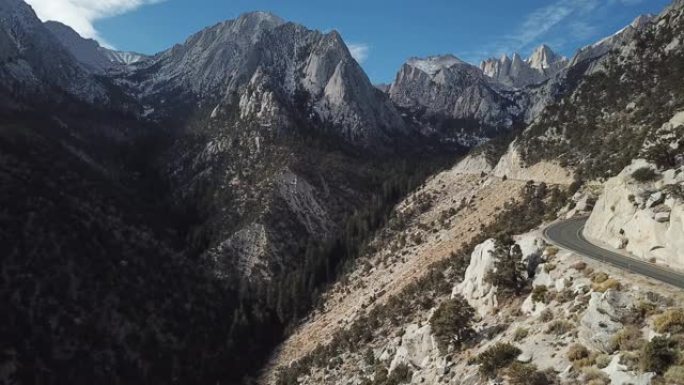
<point>568,235</point>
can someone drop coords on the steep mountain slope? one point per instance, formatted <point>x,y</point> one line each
<point>602,125</point>
<point>34,67</point>
<point>561,319</point>
<point>268,68</point>
<point>453,99</point>
<point>89,53</point>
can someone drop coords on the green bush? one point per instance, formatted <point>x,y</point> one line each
<point>497,357</point>
<point>452,322</point>
<point>644,174</point>
<point>658,355</point>
<point>509,270</point>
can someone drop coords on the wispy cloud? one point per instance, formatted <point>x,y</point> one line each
<point>359,51</point>
<point>559,23</point>
<point>82,14</point>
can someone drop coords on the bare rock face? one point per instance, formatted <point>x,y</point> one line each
<point>644,218</point>
<point>479,294</point>
<point>418,347</point>
<point>453,98</point>
<point>90,54</point>
<point>511,165</point>
<point>35,64</point>
<point>275,73</point>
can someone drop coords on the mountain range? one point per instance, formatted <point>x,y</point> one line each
<point>171,218</point>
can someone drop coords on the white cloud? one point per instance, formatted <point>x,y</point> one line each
<point>359,51</point>
<point>81,14</point>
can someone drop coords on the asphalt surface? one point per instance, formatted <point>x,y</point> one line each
<point>568,235</point>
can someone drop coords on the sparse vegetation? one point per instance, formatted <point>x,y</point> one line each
<point>520,334</point>
<point>627,339</point>
<point>644,174</point>
<point>451,322</point>
<point>593,376</point>
<point>496,358</point>
<point>658,355</point>
<point>675,375</point>
<point>577,352</point>
<point>527,374</point>
<point>671,321</point>
<point>509,270</point>
<point>540,294</point>
<point>560,327</point>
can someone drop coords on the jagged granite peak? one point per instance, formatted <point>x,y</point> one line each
<point>268,68</point>
<point>518,72</point>
<point>452,99</point>
<point>89,53</point>
<point>433,64</point>
<point>36,60</point>
<point>544,59</point>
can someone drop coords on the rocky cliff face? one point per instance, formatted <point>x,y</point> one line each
<point>274,73</point>
<point>453,99</point>
<point>34,64</point>
<point>89,53</point>
<point>644,218</point>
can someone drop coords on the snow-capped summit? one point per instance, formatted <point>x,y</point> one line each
<point>433,64</point>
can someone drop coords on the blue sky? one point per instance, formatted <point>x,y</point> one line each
<point>382,33</point>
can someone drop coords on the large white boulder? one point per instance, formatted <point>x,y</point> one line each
<point>479,294</point>
<point>643,218</point>
<point>473,164</point>
<point>418,347</point>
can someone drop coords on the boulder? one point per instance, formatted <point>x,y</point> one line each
<point>418,347</point>
<point>479,294</point>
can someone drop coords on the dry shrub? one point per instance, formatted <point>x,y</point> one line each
<point>628,339</point>
<point>593,376</point>
<point>671,321</point>
<point>560,327</point>
<point>606,285</point>
<point>599,277</point>
<point>520,334</point>
<point>577,352</point>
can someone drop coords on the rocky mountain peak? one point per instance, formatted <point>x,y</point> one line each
<point>89,53</point>
<point>642,21</point>
<point>433,64</point>
<point>544,58</point>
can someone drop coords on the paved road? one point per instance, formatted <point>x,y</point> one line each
<point>568,235</point>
